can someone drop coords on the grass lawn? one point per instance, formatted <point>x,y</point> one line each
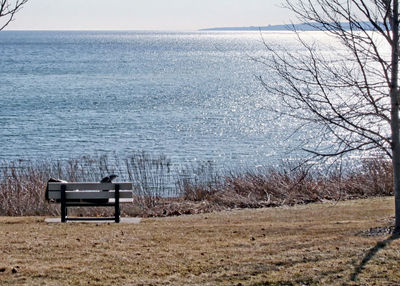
<point>316,244</point>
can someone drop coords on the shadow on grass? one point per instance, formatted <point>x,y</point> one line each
<point>371,253</point>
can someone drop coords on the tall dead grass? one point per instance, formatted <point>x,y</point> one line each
<point>23,183</point>
<point>276,187</point>
<point>163,189</point>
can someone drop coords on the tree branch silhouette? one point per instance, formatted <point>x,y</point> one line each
<point>8,9</point>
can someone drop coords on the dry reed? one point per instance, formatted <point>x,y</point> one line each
<point>163,190</point>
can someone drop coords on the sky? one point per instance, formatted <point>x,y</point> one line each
<point>147,14</point>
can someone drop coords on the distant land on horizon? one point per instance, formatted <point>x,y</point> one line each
<point>298,27</point>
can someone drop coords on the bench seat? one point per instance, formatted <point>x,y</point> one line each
<point>89,194</point>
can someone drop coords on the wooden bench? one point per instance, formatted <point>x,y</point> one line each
<point>91,195</point>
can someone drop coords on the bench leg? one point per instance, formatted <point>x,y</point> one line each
<point>117,209</point>
<point>63,204</point>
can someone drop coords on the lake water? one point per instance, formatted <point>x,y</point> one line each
<point>191,96</point>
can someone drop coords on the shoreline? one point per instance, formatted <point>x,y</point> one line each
<point>198,189</point>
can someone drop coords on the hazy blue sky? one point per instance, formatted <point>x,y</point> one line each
<point>147,14</point>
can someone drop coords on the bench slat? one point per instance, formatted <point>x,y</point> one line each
<point>70,195</point>
<point>89,186</point>
<point>91,203</point>
<point>123,200</point>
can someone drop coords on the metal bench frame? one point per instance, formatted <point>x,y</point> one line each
<point>87,198</point>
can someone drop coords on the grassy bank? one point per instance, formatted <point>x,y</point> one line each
<point>162,189</point>
<point>314,244</point>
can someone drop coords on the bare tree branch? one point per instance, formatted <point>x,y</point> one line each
<point>8,9</point>
<point>351,96</point>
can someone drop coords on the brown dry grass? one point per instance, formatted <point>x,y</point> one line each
<point>314,244</point>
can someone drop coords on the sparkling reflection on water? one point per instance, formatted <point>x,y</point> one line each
<point>191,96</point>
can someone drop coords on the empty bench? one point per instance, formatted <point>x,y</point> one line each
<point>89,195</point>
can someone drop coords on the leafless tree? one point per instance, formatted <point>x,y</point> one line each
<point>8,9</point>
<point>349,96</point>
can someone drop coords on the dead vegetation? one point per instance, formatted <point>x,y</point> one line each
<point>161,190</point>
<point>314,244</point>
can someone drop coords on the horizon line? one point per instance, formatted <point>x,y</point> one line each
<point>117,30</point>
<point>144,29</point>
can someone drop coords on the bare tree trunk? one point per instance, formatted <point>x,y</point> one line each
<point>394,96</point>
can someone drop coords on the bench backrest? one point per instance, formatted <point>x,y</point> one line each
<point>89,190</point>
<point>56,186</point>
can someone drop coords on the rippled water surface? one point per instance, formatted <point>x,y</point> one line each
<point>191,96</point>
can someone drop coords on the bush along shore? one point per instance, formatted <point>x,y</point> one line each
<point>161,190</point>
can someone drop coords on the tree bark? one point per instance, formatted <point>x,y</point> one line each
<point>394,96</point>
